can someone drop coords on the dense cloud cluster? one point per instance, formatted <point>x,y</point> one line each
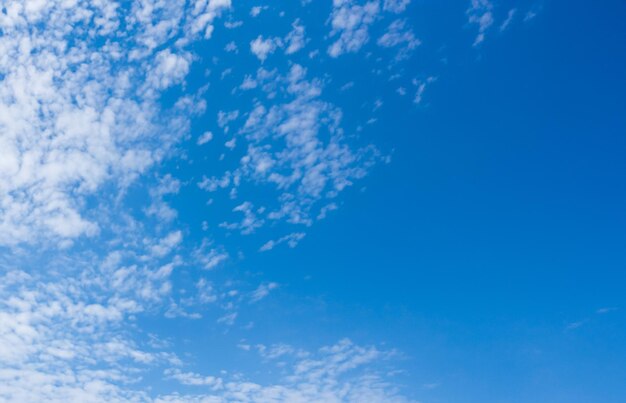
<point>79,104</point>
<point>97,97</point>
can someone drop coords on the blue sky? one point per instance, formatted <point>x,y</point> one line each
<point>312,201</point>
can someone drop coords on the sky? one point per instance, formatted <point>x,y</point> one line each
<point>312,201</point>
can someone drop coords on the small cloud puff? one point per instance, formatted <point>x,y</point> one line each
<point>205,138</point>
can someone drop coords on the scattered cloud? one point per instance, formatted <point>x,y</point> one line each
<point>350,22</point>
<point>256,10</point>
<point>193,379</point>
<point>532,13</point>
<point>205,138</point>
<point>421,87</point>
<point>396,6</point>
<point>167,244</point>
<point>210,256</point>
<point>228,319</point>
<point>159,208</point>
<point>76,116</point>
<point>233,24</point>
<point>250,221</point>
<point>262,48</point>
<point>295,145</point>
<point>295,40</point>
<point>96,100</point>
<point>575,325</point>
<point>169,69</point>
<point>336,373</point>
<point>509,18</point>
<point>480,13</point>
<point>231,47</point>
<point>399,35</point>
<point>292,240</point>
<point>262,291</point>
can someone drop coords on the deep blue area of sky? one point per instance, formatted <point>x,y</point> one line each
<point>486,248</point>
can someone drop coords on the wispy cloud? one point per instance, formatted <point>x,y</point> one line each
<point>480,13</point>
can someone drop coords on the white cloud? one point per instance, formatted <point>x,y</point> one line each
<point>295,40</point>
<point>169,69</point>
<point>336,373</point>
<point>206,292</point>
<point>509,18</point>
<point>213,184</point>
<point>250,221</point>
<point>62,339</point>
<point>81,118</point>
<point>279,350</point>
<point>296,146</point>
<point>347,86</point>
<point>159,208</point>
<point>224,118</point>
<point>79,111</point>
<point>396,6</point>
<point>398,34</point>
<point>228,319</point>
<point>262,48</point>
<point>69,339</point>
<point>232,143</point>
<point>158,22</point>
<point>530,15</point>
<point>231,47</point>
<point>262,291</point>
<point>480,13</point>
<point>351,22</point>
<point>421,87</point>
<point>193,379</point>
<point>167,244</point>
<point>205,138</point>
<point>233,24</point>
<point>256,10</point>
<point>201,14</point>
<point>324,210</point>
<point>209,256</point>
<point>292,239</point>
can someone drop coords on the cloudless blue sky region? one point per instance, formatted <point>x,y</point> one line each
<point>313,201</point>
